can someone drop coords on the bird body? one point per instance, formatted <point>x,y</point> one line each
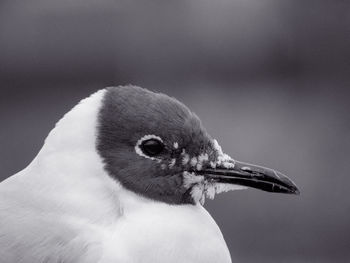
<point>119,227</point>
<point>81,200</point>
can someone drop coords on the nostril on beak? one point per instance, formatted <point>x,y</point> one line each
<point>247,169</point>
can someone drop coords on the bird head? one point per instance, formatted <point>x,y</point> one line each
<point>156,147</point>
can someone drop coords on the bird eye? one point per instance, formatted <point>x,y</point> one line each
<point>152,147</point>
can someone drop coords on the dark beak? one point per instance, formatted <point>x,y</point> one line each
<point>244,174</point>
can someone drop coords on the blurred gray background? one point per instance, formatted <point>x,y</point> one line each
<point>270,80</point>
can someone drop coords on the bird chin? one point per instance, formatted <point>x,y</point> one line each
<point>209,190</point>
<point>202,188</point>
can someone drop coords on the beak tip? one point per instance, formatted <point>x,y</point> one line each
<point>296,191</point>
<point>291,186</point>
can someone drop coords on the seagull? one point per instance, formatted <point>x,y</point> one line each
<point>122,178</point>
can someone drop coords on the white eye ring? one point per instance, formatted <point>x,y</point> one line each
<point>138,149</point>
